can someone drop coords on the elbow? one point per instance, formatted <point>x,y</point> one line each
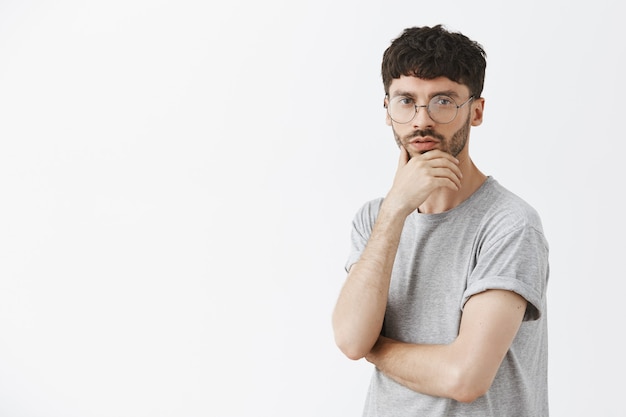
<point>466,387</point>
<point>351,349</point>
<point>351,343</point>
<point>468,395</point>
<point>354,355</point>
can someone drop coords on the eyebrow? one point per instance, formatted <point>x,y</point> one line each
<point>401,93</point>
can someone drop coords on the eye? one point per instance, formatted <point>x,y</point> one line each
<point>442,101</point>
<point>405,101</point>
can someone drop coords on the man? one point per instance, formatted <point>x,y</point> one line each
<point>446,285</point>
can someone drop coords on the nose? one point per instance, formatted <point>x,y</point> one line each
<point>422,119</point>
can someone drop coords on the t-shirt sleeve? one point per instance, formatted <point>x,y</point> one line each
<point>362,226</point>
<point>516,261</point>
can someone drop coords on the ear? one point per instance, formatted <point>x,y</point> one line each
<point>385,104</point>
<point>478,106</point>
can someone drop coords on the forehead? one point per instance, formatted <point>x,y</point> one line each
<point>419,87</point>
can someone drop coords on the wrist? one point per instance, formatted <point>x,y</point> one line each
<point>395,210</point>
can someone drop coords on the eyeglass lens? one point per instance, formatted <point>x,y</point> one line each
<point>442,109</point>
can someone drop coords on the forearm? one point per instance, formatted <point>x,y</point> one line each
<point>423,368</point>
<point>465,368</point>
<point>360,308</point>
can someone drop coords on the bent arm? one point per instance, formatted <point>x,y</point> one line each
<point>358,315</point>
<point>360,310</point>
<point>465,369</point>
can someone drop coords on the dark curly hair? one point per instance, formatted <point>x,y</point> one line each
<point>431,52</point>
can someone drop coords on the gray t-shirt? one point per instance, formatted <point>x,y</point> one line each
<point>493,240</point>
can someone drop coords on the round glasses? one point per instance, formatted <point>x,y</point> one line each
<point>441,109</point>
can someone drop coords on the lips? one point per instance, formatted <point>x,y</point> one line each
<point>423,144</point>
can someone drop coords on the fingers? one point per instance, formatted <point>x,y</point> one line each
<point>445,177</point>
<point>439,159</point>
<point>419,176</point>
<point>440,165</point>
<point>437,154</point>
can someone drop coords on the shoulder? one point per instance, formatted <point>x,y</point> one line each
<point>369,209</point>
<point>365,217</point>
<point>508,209</point>
<point>505,216</point>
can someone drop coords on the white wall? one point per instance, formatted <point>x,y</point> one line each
<point>177,181</point>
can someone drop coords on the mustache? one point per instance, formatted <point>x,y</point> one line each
<point>425,132</point>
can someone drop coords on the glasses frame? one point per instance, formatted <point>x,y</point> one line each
<point>427,106</point>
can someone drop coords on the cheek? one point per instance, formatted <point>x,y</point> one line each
<point>397,140</point>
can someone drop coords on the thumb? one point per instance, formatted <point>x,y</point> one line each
<point>404,157</point>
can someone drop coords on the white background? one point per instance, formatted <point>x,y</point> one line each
<point>178,178</point>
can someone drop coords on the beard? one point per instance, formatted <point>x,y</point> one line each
<point>453,146</point>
